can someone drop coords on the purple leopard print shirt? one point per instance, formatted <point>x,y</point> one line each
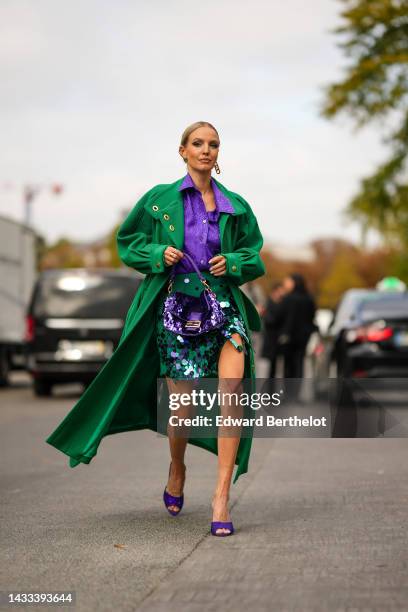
<point>201,231</point>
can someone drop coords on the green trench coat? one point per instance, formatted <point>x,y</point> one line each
<point>122,397</point>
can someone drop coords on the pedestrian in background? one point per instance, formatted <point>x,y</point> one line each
<point>295,320</point>
<point>270,346</point>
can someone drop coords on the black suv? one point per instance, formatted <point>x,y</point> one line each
<point>74,322</point>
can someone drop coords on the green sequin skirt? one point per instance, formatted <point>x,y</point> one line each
<point>197,356</point>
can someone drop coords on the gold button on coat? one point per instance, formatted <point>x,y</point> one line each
<point>166,217</point>
<point>171,228</point>
<point>155,207</point>
<point>234,268</point>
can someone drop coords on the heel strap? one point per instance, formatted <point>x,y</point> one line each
<point>221,525</point>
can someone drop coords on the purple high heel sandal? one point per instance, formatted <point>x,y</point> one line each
<point>221,525</point>
<point>173,500</point>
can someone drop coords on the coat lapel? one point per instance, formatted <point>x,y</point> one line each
<point>167,207</point>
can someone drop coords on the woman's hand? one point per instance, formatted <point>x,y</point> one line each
<point>218,265</point>
<point>172,255</point>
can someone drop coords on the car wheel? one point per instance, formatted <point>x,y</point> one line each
<point>42,388</point>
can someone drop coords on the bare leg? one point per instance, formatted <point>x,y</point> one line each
<point>231,368</point>
<point>177,443</point>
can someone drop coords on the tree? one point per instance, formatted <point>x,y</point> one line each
<point>375,87</point>
<point>62,254</point>
<point>341,277</point>
<point>41,249</point>
<point>111,245</point>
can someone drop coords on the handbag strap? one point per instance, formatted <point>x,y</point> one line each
<point>200,276</point>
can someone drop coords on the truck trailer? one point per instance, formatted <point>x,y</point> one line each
<point>17,276</point>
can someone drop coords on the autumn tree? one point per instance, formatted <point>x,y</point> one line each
<point>342,276</point>
<point>113,249</point>
<point>374,36</point>
<point>62,254</point>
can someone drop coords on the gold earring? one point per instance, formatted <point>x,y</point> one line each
<point>217,168</point>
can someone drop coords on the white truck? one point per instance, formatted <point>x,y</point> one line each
<point>17,275</point>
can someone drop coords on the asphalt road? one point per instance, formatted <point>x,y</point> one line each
<point>321,524</point>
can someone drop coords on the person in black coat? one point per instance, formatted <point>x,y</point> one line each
<point>271,330</point>
<point>295,318</point>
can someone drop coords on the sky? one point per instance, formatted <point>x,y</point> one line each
<point>95,96</point>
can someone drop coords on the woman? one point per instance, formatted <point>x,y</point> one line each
<point>166,222</point>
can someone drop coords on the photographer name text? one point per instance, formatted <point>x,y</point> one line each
<point>259,421</point>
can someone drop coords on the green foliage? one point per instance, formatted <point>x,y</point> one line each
<point>375,86</point>
<point>399,266</point>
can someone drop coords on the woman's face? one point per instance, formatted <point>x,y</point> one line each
<point>201,150</point>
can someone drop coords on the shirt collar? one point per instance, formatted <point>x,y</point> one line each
<point>187,182</point>
<point>222,203</point>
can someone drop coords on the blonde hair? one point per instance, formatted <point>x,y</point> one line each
<point>185,135</point>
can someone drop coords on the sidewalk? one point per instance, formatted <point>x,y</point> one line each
<point>322,526</point>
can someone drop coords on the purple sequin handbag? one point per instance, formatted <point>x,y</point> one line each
<point>188,315</point>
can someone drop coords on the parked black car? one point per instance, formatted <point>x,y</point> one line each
<point>368,338</point>
<point>74,322</point>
